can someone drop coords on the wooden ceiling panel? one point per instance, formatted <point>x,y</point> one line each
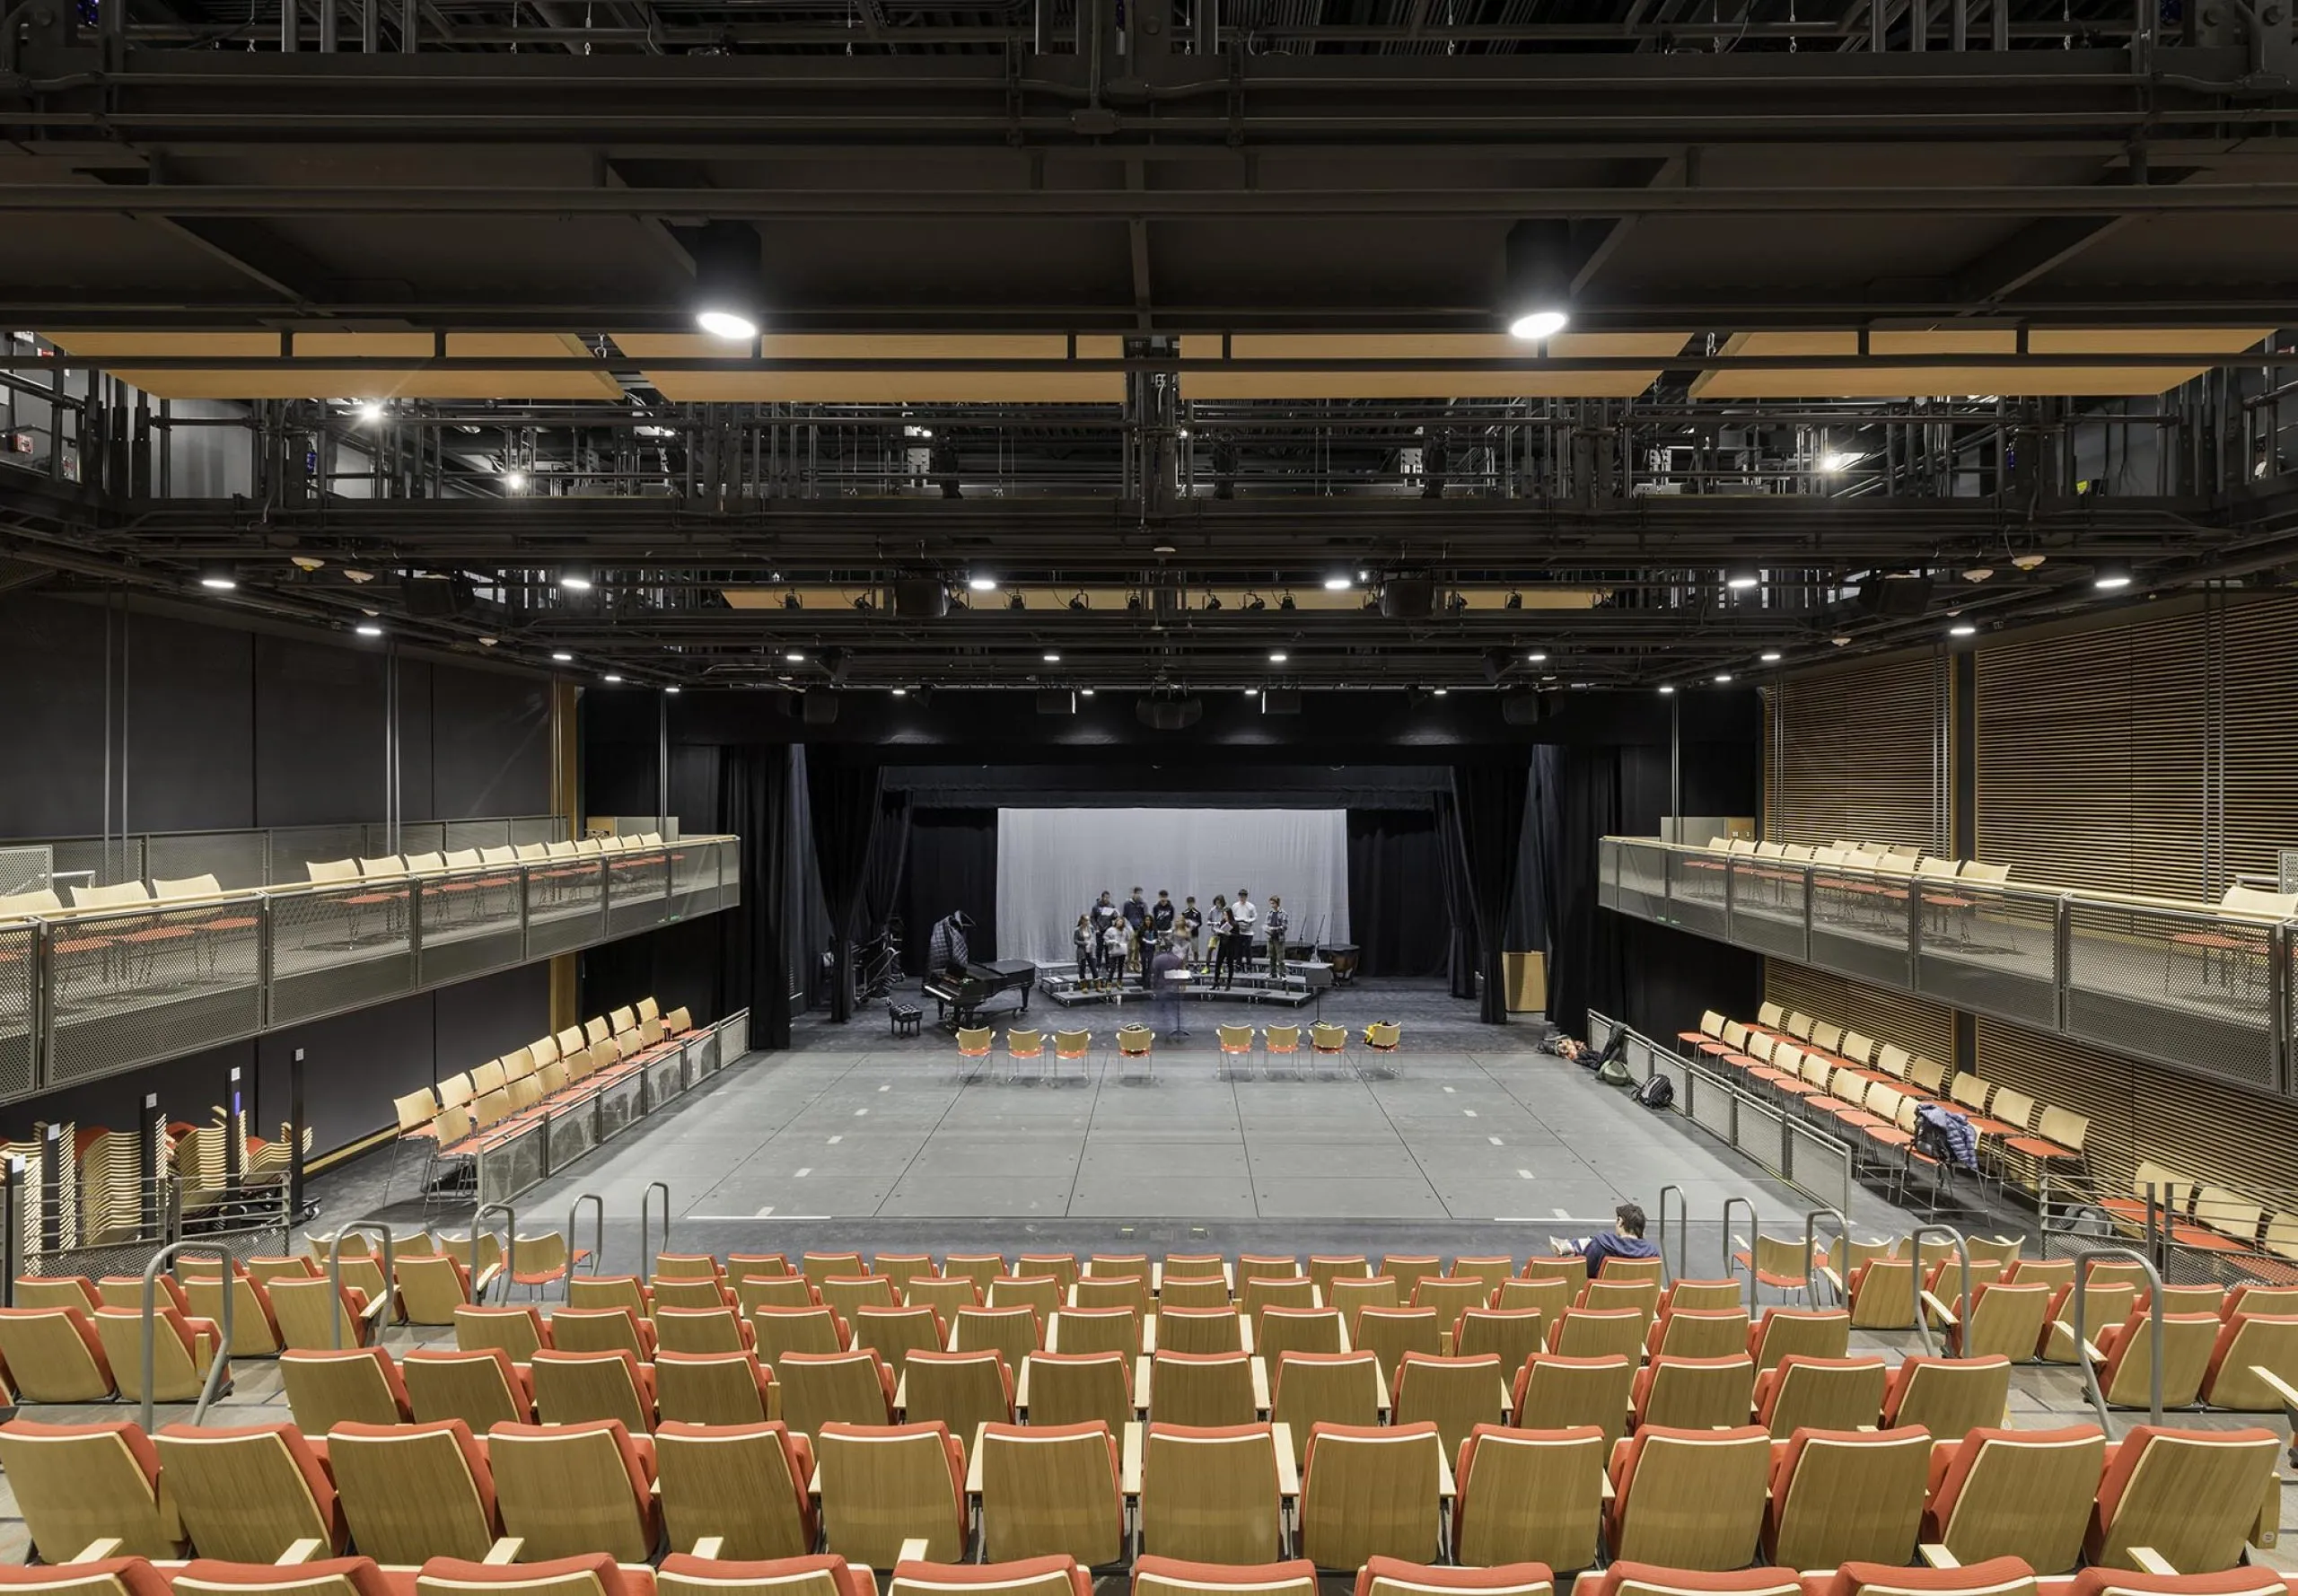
<point>1347,381</point>
<point>891,386</point>
<point>1883,381</point>
<point>117,352</point>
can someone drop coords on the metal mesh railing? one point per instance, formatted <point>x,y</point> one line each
<point>1989,948</point>
<point>1859,926</point>
<point>338,948</point>
<point>1644,880</point>
<point>566,905</point>
<point>2187,987</point>
<point>19,1009</point>
<point>26,869</point>
<point>1698,893</point>
<point>638,892</point>
<point>126,987</point>
<point>469,923</point>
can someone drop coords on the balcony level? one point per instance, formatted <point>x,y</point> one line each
<point>156,957</point>
<point>2194,987</point>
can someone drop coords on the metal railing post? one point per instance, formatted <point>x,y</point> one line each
<point>390,1269</point>
<point>1754,1227</point>
<point>221,1364</point>
<point>646,1229</point>
<point>1838,1278</point>
<point>2082,1262</point>
<point>510,1241</point>
<point>12,1238</point>
<point>1683,1235</point>
<point>1922,1319</point>
<point>597,1229</point>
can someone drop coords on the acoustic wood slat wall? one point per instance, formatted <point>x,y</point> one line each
<point>1914,1023</point>
<point>2259,799</point>
<point>1858,753</point>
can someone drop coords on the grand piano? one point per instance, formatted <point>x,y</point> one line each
<point>959,1000</point>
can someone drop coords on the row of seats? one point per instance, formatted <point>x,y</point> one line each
<point>1887,859</point>
<point>1698,1498</point>
<point>2206,1218</point>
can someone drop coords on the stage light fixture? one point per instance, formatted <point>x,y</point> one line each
<point>1084,692</point>
<point>1838,459</point>
<point>901,692</point>
<point>1277,656</point>
<point>1051,656</point>
<point>373,410</point>
<point>1017,602</point>
<point>792,601</point>
<point>1254,601</point>
<point>514,481</point>
<point>728,258</point>
<point>1212,602</point>
<point>1721,680</point>
<point>673,689</point>
<point>1287,603</point>
<point>1540,271</point>
<point>306,563</point>
<point>864,603</point>
<point>1978,573</point>
<point>2111,579</point>
<point>217,578</point>
<point>982,584</point>
<point>575,582</point>
<point>1514,600</point>
<point>1666,689</point>
<point>1438,692</point>
<point>351,574</point>
<point>368,630</point>
<point>1337,585</point>
<point>1537,657</point>
<point>1771,656</point>
<point>2028,562</point>
<point>1741,579</point>
<point>795,657</point>
<point>1962,630</point>
<point>611,677</point>
<point>1080,601</point>
<point>1840,641</point>
<point>562,657</point>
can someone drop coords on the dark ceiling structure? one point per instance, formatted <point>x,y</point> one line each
<point>1139,346</point>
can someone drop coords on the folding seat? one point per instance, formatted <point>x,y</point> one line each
<point>1808,1393</point>
<point>1115,1265</point>
<point>1011,1333</point>
<point>1280,1331</point>
<point>182,1352</point>
<point>430,1288</point>
<point>1051,1490</point>
<point>2025,1494</point>
<point>1338,1387</point>
<point>57,1291</point>
<point>943,1293</point>
<point>1841,1496</point>
<point>1368,1492</point>
<point>902,1268</point>
<point>1693,1393</point>
<point>1702,1296</point>
<point>1202,1390</point>
<point>1548,1298</point>
<point>569,1490</point>
<point>2193,1496</point>
<point>1056,1575</point>
<point>683,1573</point>
<point>1555,1392</point>
<point>1260,1292</point>
<point>844,1293</point>
<point>980,1268</point>
<point>1061,1265</point>
<point>689,1266</point>
<point>1530,1496</point>
<point>1324,1268</point>
<point>1393,1576</point>
<point>2273,1301</point>
<point>1455,1394</point>
<point>1948,1397</point>
<point>962,1389</point>
<point>747,1485</point>
<point>715,1388</point>
<point>412,1492</point>
<point>1704,1333</point>
<point>1779,1262</point>
<point>701,1330</point>
<point>75,1484</point>
<point>1194,1266</point>
<point>671,1291</point>
<point>856,1388</point>
<point>1128,1292</point>
<point>1452,1298</point>
<point>1210,1292</point>
<point>1882,1294</point>
<point>595,1292</point>
<point>2125,1367</point>
<point>1784,1333</point>
<point>1042,1294</point>
<point>2005,1320</point>
<point>248,1495</point>
<point>127,1292</point>
<point>1077,1387</point>
<point>1591,1333</point>
<point>573,1388</point>
<point>1997,1577</point>
<point>482,1387</point>
<point>781,1331</point>
<point>2253,1365</point>
<point>757,1265</point>
<point>1633,1268</point>
<point>1389,1333</point>
<point>2188,1299</point>
<point>1353,1295</point>
<point>54,1354</point>
<point>519,1331</point>
<point>883,1485</point>
<point>358,1385</point>
<point>1689,1498</point>
<point>1213,1494</point>
<point>1603,1295</point>
<point>1511,1335</point>
<point>255,1324</point>
<point>2105,1304</point>
<point>1074,1330</point>
<point>1200,1329</point>
<point>1407,1269</point>
<point>753,1291</point>
<point>894,1333</point>
<point>1175,1576</point>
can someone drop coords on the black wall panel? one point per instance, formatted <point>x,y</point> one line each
<point>319,715</point>
<point>490,743</point>
<point>190,727</point>
<point>414,731</point>
<point>51,717</point>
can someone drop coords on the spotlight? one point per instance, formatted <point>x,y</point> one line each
<point>1254,601</point>
<point>1286,602</point>
<point>2110,580</point>
<point>727,260</point>
<point>1962,630</point>
<point>1213,601</point>
<point>982,584</point>
<point>1978,573</point>
<point>1726,677</point>
<point>1085,692</point>
<point>611,677</point>
<point>1540,272</point>
<point>514,481</point>
<point>1740,579</point>
<point>2028,562</point>
<point>351,574</point>
<point>306,562</point>
<point>1536,659</point>
<point>1336,585</point>
<point>1455,603</point>
<point>795,657</point>
<point>373,410</point>
<point>1080,601</point>
<point>217,579</point>
<point>1771,657</point>
<point>791,602</point>
<point>1836,460</point>
<point>1840,641</point>
<point>1514,600</point>
<point>1665,690</point>
<point>1016,602</point>
<point>368,630</point>
<point>1277,656</point>
<point>1364,576</point>
<point>575,582</point>
<point>901,692</point>
<point>1051,656</point>
<point>563,657</point>
<point>864,603</point>
<point>671,690</point>
<point>1438,692</point>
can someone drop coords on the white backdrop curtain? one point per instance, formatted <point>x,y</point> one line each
<point>1053,863</point>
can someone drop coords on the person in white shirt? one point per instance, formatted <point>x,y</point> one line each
<point>1114,944</point>
<point>1247,914</point>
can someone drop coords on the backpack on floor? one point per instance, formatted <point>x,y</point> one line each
<point>1658,1092</point>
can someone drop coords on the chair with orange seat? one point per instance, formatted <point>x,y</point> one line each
<point>1693,1393</point>
<point>1371,1492</point>
<point>596,1292</point>
<point>57,1291</point>
<point>782,1331</point>
<point>1051,1490</point>
<point>1043,1294</point>
<point>1323,1269</point>
<point>1352,1294</point>
<point>1948,1397</point>
<point>1882,1294</point>
<point>1547,1298</point>
<point>2025,1493</point>
<point>847,1295</point>
<point>1607,1296</point>
<point>2125,1353</point>
<point>247,1494</point>
<point>1570,1266</point>
<point>431,1287</point>
<point>1820,1394</point>
<point>1310,1389</point>
<point>2253,1365</point>
<point>74,1484</point>
<point>1059,1388</point>
<point>1109,1290</point>
<point>715,1388</point>
<point>702,1330</point>
<point>55,1354</point>
<point>1555,1392</point>
<point>2000,1319</point>
<point>576,1489</point>
<point>1510,1334</point>
<point>1592,1332</point>
<point>2104,1304</point>
<point>1842,1496</point>
<point>1012,1333</point>
<point>1689,1498</point>
<point>1393,1576</point>
<point>412,1492</point>
<point>358,1385</point>
<point>896,1333</point>
<point>2194,1496</point>
<point>1199,1330</point>
<point>603,1329</point>
<point>683,1573</point>
<point>1530,1496</point>
<point>962,1389</point>
<point>1055,1576</point>
<point>881,1485</point>
<point>1455,1394</point>
<point>1202,1390</point>
<point>973,1042</point>
<point>1074,1330</point>
<point>1213,1494</point>
<point>183,1352</point>
<point>1799,1332</point>
<point>520,1331</point>
<point>1179,1576</point>
<point>255,1322</point>
<point>1997,1577</point>
<point>482,1388</point>
<point>577,1386</point>
<point>1391,1334</point>
<point>688,1293</point>
<point>1452,1297</point>
<point>1699,1333</point>
<point>746,1485</point>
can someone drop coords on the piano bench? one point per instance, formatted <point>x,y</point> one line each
<point>906,1017</point>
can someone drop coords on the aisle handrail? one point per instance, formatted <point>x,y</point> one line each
<point>1922,1298</point>
<point>390,1269</point>
<point>645,1227</point>
<point>221,1363</point>
<point>2085,1351</point>
<point>598,1231</point>
<point>1812,1268</point>
<point>510,1240</point>
<point>1683,1235</point>
<point>1755,1229</point>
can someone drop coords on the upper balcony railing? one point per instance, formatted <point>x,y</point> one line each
<point>89,991</point>
<point>2187,985</point>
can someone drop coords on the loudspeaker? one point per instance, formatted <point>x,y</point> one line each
<point>1895,596</point>
<point>1280,701</point>
<point>820,707</point>
<point>921,598</point>
<point>1409,598</point>
<point>1056,701</point>
<point>1520,709</point>
<point>1168,714</point>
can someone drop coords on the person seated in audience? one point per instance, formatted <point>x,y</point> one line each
<point>1624,1240</point>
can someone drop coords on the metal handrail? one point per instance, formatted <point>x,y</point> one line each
<point>364,1227</point>
<point>1755,1228</point>
<point>1922,1319</point>
<point>1683,1235</point>
<point>510,1240</point>
<point>1837,1278</point>
<point>645,1233</point>
<point>222,1366</point>
<point>2083,1261</point>
<point>597,1229</point>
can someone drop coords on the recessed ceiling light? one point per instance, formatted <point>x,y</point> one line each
<point>575,582</point>
<point>1535,325</point>
<point>1667,689</point>
<point>1277,656</point>
<point>2108,580</point>
<point>1051,656</point>
<point>795,657</point>
<point>1085,692</point>
<point>901,692</point>
<point>673,689</point>
<point>563,657</point>
<point>1771,657</point>
<point>725,324</point>
<point>368,630</point>
<point>1726,677</point>
<point>982,584</point>
<point>1536,659</point>
<point>611,677</point>
<point>1962,630</point>
<point>1336,585</point>
<point>1438,692</point>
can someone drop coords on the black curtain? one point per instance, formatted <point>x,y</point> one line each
<point>1578,800</point>
<point>881,872</point>
<point>1399,924</point>
<point>1459,912</point>
<point>842,788</point>
<point>953,864</point>
<point>754,795</point>
<point>1491,821</point>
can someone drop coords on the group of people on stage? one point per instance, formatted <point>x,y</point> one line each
<point>1113,938</point>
